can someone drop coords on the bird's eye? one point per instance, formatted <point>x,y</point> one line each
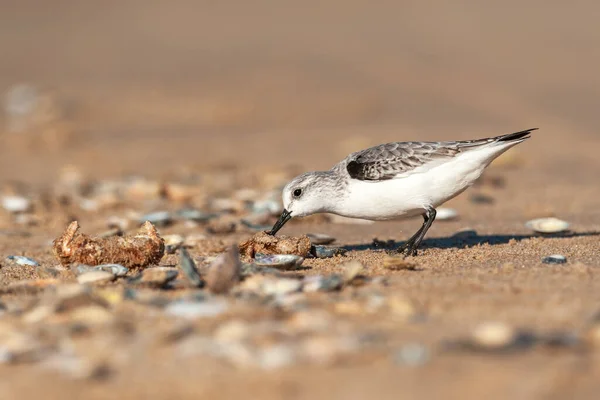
<point>297,192</point>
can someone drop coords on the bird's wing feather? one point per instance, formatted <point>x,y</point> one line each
<point>395,160</point>
<point>400,159</point>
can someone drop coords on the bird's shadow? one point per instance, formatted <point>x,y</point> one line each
<point>463,240</point>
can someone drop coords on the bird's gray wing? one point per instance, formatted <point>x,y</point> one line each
<point>397,160</point>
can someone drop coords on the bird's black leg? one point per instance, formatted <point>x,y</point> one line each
<point>412,244</point>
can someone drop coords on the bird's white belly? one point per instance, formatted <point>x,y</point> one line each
<point>410,196</point>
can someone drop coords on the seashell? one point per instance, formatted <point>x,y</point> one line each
<point>188,266</point>
<point>320,238</point>
<point>554,259</point>
<point>16,204</point>
<point>319,283</point>
<point>547,225</point>
<point>158,218</point>
<point>445,214</point>
<point>21,260</point>
<point>191,214</point>
<point>282,261</point>
<point>326,252</point>
<point>115,269</point>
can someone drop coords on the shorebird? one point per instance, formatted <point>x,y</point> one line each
<point>395,180</point>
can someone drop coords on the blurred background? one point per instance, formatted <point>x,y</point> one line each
<point>148,86</point>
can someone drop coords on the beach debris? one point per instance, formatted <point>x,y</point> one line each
<point>412,355</point>
<point>547,225</point>
<point>22,260</point>
<point>353,270</point>
<point>140,250</point>
<point>279,261</point>
<point>196,309</point>
<point>554,259</point>
<point>327,252</point>
<point>16,204</point>
<point>188,266</point>
<point>224,272</point>
<point>158,218</point>
<point>115,269</point>
<point>264,243</point>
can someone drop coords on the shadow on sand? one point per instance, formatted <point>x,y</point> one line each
<point>463,240</point>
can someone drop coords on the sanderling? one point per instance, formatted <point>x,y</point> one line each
<point>394,180</point>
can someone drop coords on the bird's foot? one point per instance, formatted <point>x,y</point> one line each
<point>407,249</point>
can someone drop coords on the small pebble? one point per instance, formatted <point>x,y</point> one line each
<point>188,266</point>
<point>319,283</point>
<point>172,243</point>
<point>193,310</point>
<point>115,269</point>
<point>326,252</point>
<point>480,198</point>
<point>554,259</point>
<point>352,270</point>
<point>445,214</point>
<point>16,204</point>
<point>225,272</point>
<point>190,214</point>
<point>412,355</point>
<point>281,261</point>
<point>276,356</point>
<point>95,277</point>
<point>320,238</point>
<point>280,287</point>
<point>493,335</point>
<point>21,260</point>
<point>158,218</point>
<point>158,276</point>
<point>547,225</point>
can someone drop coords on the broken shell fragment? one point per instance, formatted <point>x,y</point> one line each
<point>281,261</point>
<point>547,225</point>
<point>188,266</point>
<point>115,269</point>
<point>326,252</point>
<point>140,250</point>
<point>158,218</point>
<point>224,272</point>
<point>21,260</point>
<point>554,259</point>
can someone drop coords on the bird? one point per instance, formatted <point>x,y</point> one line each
<point>394,181</point>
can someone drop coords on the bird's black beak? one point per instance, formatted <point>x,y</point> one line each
<point>283,218</point>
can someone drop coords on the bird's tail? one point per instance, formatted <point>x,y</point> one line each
<point>515,136</point>
<point>510,139</point>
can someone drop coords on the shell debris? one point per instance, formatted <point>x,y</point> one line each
<point>140,250</point>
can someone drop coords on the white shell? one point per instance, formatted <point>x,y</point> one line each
<point>15,204</point>
<point>445,214</point>
<point>547,225</point>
